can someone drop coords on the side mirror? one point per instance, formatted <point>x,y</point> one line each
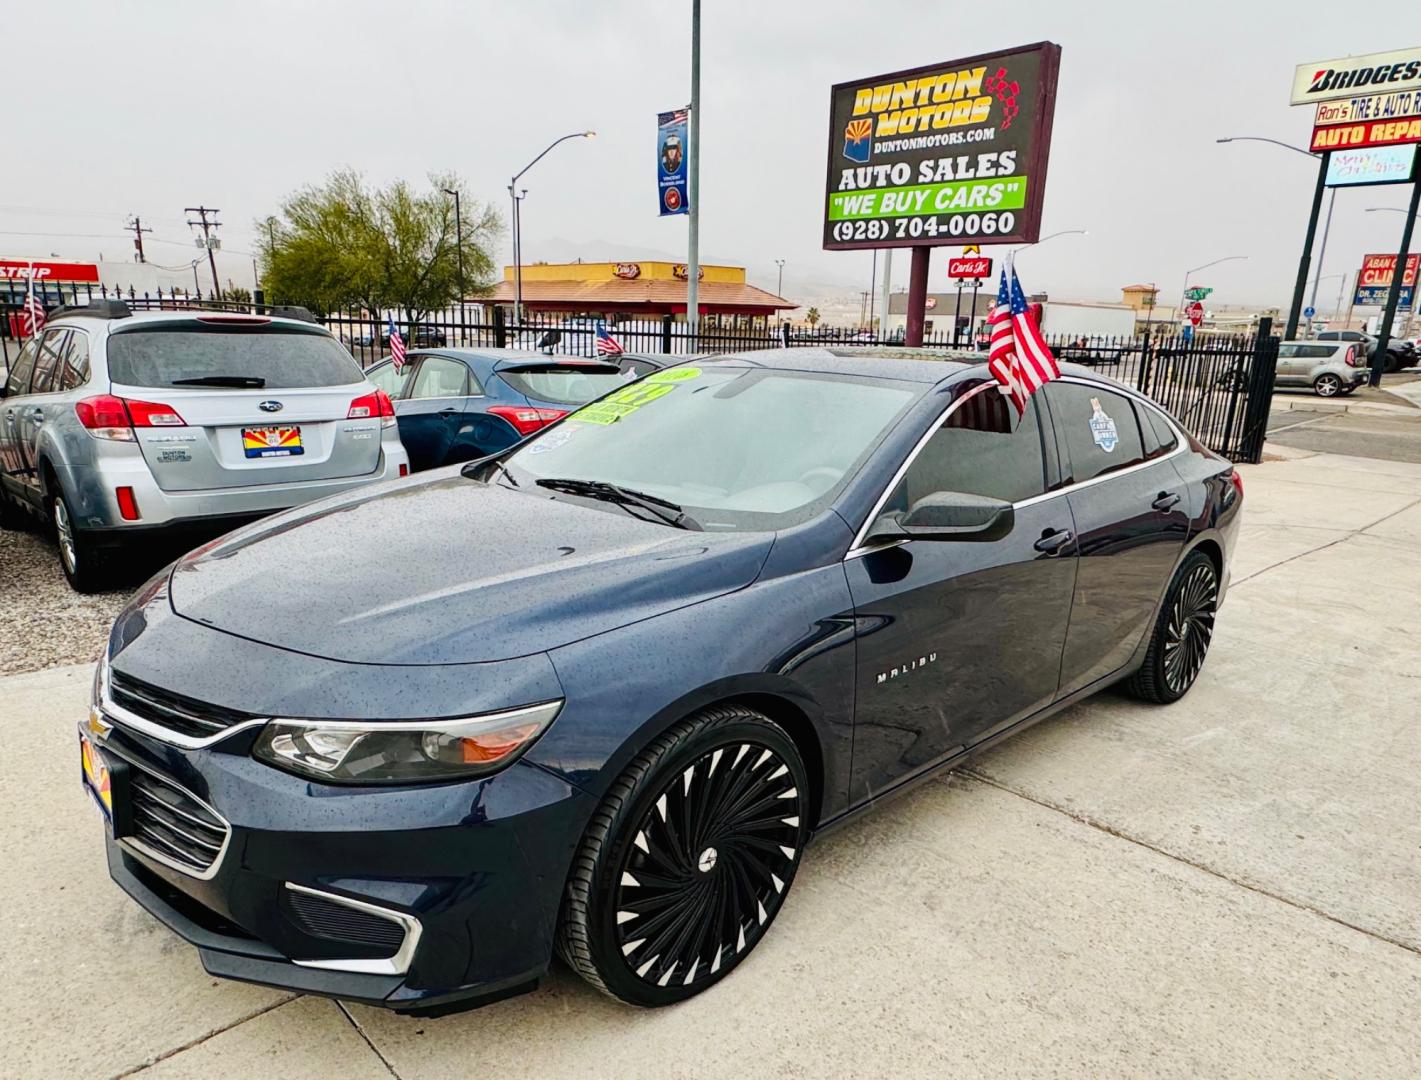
<point>948,515</point>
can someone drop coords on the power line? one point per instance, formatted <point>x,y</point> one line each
<point>207,238</point>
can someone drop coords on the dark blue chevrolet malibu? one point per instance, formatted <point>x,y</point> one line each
<point>595,695</point>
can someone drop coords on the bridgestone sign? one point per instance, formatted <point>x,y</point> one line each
<point>942,154</point>
<point>1357,76</point>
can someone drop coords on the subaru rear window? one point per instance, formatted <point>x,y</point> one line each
<point>282,359</point>
<point>564,384</point>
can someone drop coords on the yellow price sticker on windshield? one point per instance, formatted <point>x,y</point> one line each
<point>623,402</point>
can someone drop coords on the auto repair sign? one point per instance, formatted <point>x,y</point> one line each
<point>942,154</point>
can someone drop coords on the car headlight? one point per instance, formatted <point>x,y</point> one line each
<point>402,751</point>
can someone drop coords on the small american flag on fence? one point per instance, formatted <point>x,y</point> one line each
<point>607,345</point>
<point>397,344</point>
<point>1018,356</point>
<point>32,312</point>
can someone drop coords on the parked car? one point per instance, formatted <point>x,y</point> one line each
<point>455,405</point>
<point>1366,343</point>
<point>1329,367</point>
<point>422,336</point>
<point>118,424</point>
<point>594,695</point>
<point>1399,354</point>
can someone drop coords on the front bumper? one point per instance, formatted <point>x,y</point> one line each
<point>474,870</point>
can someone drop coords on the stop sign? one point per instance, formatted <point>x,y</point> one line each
<point>1195,311</point>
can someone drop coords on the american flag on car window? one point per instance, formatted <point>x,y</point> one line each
<point>397,344</point>
<point>607,345</point>
<point>1018,356</point>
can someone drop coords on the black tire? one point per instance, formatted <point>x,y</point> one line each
<point>684,866</point>
<point>11,516</point>
<point>79,557</point>
<point>1180,640</point>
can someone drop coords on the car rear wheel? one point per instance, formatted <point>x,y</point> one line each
<point>1327,385</point>
<point>688,859</point>
<point>77,555</point>
<point>1181,636</point>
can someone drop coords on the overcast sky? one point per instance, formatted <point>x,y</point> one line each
<point>154,106</point>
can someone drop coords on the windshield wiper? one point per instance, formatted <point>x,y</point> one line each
<point>627,498</point>
<point>239,382</point>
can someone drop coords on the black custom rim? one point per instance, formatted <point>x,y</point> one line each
<point>1191,625</point>
<point>708,865</point>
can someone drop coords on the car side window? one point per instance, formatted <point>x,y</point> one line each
<point>1097,427</point>
<point>1287,351</point>
<point>48,359</point>
<point>980,449</point>
<point>74,372</point>
<point>20,374</point>
<point>1317,352</point>
<point>439,377</point>
<point>390,379</point>
<point>1157,432</point>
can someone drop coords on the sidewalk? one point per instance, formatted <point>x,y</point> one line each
<point>1230,886</point>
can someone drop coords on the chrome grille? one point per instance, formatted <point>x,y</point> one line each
<point>183,716</point>
<point>173,825</point>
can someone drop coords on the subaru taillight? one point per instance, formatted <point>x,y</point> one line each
<point>376,404</point>
<point>107,417</point>
<point>527,420</point>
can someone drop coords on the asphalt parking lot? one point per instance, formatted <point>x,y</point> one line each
<point>1230,886</point>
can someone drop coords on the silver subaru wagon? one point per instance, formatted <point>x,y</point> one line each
<point>116,423</point>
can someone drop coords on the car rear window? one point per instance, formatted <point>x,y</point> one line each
<point>284,359</point>
<point>564,384</point>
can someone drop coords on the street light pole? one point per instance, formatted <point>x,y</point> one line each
<point>459,239</point>
<point>780,282</point>
<point>1184,290</point>
<point>517,239</point>
<point>1304,264</point>
<point>693,185</point>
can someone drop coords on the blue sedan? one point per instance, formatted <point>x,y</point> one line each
<point>593,696</point>
<point>456,405</point>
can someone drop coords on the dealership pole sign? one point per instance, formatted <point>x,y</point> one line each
<point>671,162</point>
<point>941,154</point>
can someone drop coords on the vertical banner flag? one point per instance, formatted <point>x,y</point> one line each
<point>1018,356</point>
<point>671,162</point>
<point>397,343</point>
<point>32,314</point>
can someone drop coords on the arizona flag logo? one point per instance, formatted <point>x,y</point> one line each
<point>857,146</point>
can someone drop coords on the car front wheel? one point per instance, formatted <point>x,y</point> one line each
<point>688,859</point>
<point>1327,385</point>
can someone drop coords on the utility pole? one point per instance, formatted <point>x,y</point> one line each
<point>207,239</point>
<point>693,185</point>
<point>136,224</point>
<point>886,286</point>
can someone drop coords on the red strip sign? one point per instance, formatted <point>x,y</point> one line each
<point>16,270</point>
<point>974,267</point>
<point>1371,133</point>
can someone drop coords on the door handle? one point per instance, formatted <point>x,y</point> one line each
<point>1052,542</point>
<point>1165,500</point>
<point>450,412</point>
<point>37,416</point>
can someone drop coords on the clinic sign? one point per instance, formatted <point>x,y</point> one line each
<point>1374,280</point>
<point>942,154</point>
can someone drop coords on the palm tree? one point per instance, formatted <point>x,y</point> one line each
<point>812,316</point>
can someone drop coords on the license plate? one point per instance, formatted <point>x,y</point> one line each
<point>96,776</point>
<point>264,442</point>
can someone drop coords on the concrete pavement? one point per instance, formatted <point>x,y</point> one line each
<point>1230,886</point>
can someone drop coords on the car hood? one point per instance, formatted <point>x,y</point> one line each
<point>453,571</point>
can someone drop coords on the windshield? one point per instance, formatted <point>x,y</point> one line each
<point>282,359</point>
<point>563,385</point>
<point>737,448</point>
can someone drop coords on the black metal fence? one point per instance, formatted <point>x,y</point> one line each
<point>1219,387</point>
